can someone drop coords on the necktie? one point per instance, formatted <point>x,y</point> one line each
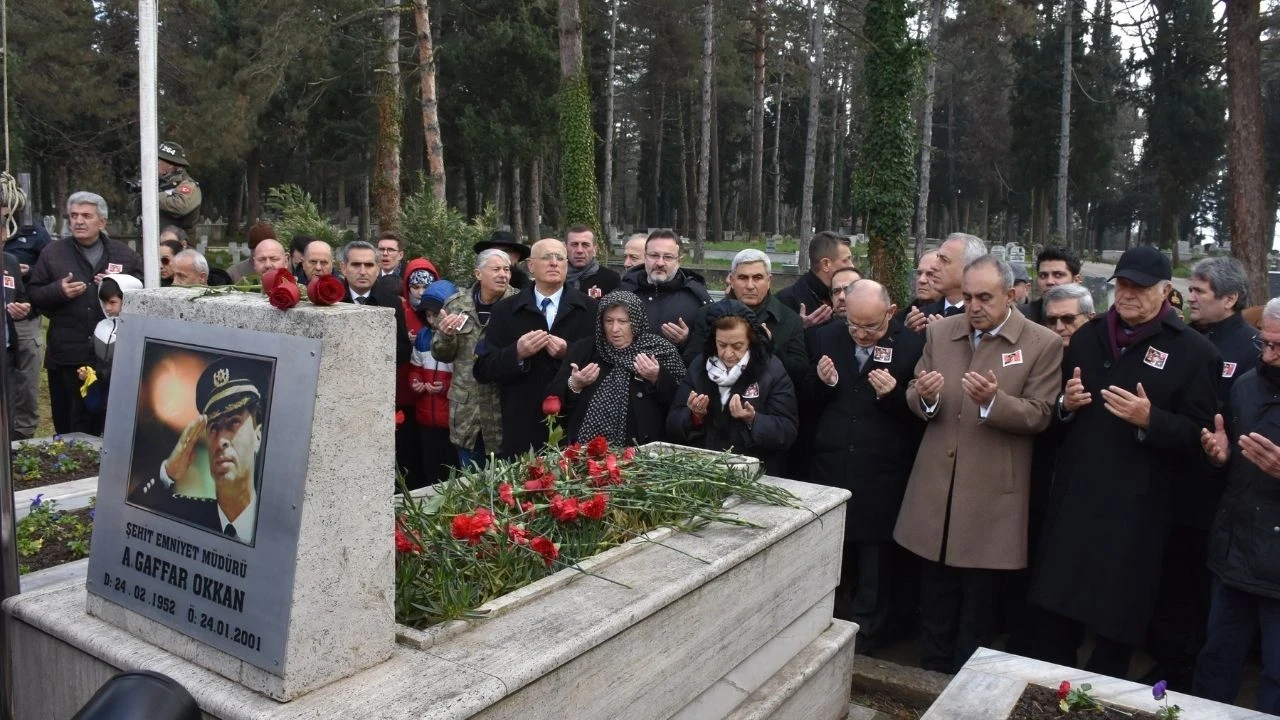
<point>977,338</point>
<point>361,300</point>
<point>952,310</point>
<point>546,303</point>
<point>863,354</point>
<point>230,530</point>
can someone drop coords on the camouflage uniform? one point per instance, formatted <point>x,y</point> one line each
<point>179,194</point>
<point>474,408</point>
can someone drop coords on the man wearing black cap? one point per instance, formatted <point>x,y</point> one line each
<point>519,252</point>
<point>1139,387</point>
<point>229,397</point>
<point>179,194</point>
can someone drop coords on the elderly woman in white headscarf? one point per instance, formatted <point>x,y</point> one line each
<point>620,382</point>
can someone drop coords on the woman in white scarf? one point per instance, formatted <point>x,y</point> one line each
<point>737,395</point>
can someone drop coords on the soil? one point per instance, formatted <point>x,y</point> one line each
<point>893,707</point>
<point>84,454</point>
<point>55,553</point>
<point>1041,703</point>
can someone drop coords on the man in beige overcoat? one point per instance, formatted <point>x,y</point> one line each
<point>986,385</point>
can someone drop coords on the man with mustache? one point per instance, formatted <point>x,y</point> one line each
<point>230,425</point>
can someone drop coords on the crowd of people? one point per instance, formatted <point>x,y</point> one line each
<point>1037,469</point>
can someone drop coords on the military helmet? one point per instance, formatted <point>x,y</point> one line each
<point>172,152</point>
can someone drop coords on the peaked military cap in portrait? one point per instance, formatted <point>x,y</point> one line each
<point>228,385</point>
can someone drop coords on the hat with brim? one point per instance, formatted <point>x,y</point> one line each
<point>172,153</point>
<point>1144,265</point>
<point>503,240</point>
<point>226,386</point>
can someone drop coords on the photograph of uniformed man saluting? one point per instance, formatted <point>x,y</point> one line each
<point>217,451</point>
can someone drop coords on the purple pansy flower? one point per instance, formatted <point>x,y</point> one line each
<point>1157,690</point>
<point>35,502</point>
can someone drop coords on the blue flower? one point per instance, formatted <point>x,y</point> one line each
<point>1157,690</point>
<point>57,438</point>
<point>91,512</point>
<point>35,503</point>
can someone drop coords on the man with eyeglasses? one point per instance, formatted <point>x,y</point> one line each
<point>1140,385</point>
<point>864,441</point>
<point>1066,308</point>
<point>390,256</point>
<point>672,295</point>
<point>526,340</point>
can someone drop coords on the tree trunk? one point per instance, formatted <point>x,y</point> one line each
<point>659,117</point>
<point>704,153</point>
<point>386,182</point>
<point>926,127</point>
<point>828,204</point>
<point>777,140</point>
<point>517,209</point>
<point>1064,125</point>
<point>755,191</point>
<point>811,135</point>
<point>717,211</point>
<point>1246,185</point>
<point>237,208</point>
<point>606,212</point>
<point>686,165</point>
<point>430,115</point>
<point>253,168</point>
<point>534,223</point>
<point>362,230</point>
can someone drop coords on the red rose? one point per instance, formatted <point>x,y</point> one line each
<point>551,405</point>
<point>595,507</point>
<point>571,452</point>
<point>325,290</point>
<point>598,447</point>
<point>564,509</point>
<point>508,497</point>
<point>544,547</point>
<point>274,277</point>
<point>284,295</point>
<point>1063,690</point>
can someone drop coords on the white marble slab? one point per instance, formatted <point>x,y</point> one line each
<point>71,495</point>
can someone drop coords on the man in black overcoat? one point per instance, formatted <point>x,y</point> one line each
<point>527,337</point>
<point>1140,385</point>
<point>865,441</point>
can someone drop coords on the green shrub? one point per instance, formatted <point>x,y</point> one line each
<point>431,229</point>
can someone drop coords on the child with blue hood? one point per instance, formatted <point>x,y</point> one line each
<point>430,380</point>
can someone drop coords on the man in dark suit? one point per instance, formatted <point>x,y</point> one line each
<point>810,295</point>
<point>585,272</point>
<point>952,257</point>
<point>865,440</point>
<point>527,337</point>
<point>229,397</point>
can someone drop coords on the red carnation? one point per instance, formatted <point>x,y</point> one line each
<point>628,454</point>
<point>1063,690</point>
<point>508,497</point>
<point>547,549</point>
<point>615,474</point>
<point>542,483</point>
<point>571,452</point>
<point>598,447</point>
<point>551,405</point>
<point>564,509</point>
<point>528,507</point>
<point>517,534</point>
<point>284,295</point>
<point>472,527</point>
<point>325,290</point>
<point>406,545</point>
<point>399,417</point>
<point>595,507</point>
<point>274,277</point>
<point>564,465</point>
<point>597,474</point>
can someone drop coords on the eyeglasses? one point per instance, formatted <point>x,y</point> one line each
<point>388,250</point>
<point>1264,345</point>
<point>1068,319</point>
<point>552,257</point>
<point>663,257</point>
<point>868,328</point>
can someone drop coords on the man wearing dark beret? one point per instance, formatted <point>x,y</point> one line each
<point>230,424</point>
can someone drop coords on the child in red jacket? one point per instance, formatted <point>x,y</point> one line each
<point>430,379</point>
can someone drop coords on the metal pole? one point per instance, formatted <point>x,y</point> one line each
<point>148,117</point>
<point>9,582</point>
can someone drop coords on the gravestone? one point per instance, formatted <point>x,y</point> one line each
<point>1017,253</point>
<point>998,252</point>
<point>771,245</point>
<point>295,591</point>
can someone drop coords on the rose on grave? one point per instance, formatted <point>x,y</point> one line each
<point>274,277</point>
<point>551,405</point>
<point>325,290</point>
<point>284,295</point>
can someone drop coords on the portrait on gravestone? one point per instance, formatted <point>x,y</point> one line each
<point>199,438</point>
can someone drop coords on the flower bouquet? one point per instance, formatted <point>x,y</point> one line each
<point>488,532</point>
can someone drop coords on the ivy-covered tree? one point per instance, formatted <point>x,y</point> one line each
<point>884,185</point>
<point>577,134</point>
